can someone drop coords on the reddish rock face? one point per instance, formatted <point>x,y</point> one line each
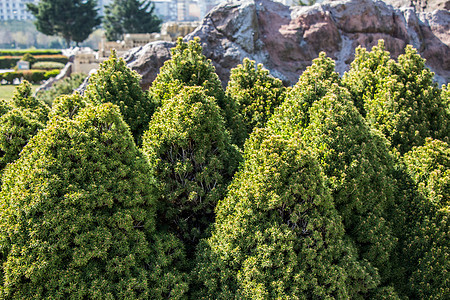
<point>286,39</point>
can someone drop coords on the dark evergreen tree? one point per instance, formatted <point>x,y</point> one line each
<point>77,210</point>
<point>130,16</point>
<point>277,234</point>
<point>73,20</point>
<point>116,83</point>
<point>189,67</point>
<point>192,159</point>
<point>255,92</point>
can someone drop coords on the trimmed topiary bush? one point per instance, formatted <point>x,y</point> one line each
<point>255,92</point>
<point>21,118</point>
<point>192,160</point>
<point>77,210</point>
<point>312,85</point>
<point>277,234</point>
<point>47,65</point>
<point>116,83</point>
<point>189,67</point>
<point>400,98</point>
<point>358,166</point>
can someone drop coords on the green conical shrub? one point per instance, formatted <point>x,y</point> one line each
<point>428,246</point>
<point>255,92</point>
<point>400,98</point>
<point>357,164</point>
<point>312,85</point>
<point>192,160</point>
<point>24,100</point>
<point>366,72</point>
<point>116,83</point>
<point>429,166</point>
<point>68,106</point>
<point>277,234</point>
<point>20,119</point>
<point>77,209</point>
<point>189,67</point>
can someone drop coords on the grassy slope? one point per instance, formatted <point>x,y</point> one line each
<point>6,91</point>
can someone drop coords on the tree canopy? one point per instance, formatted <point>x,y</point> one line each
<point>73,20</point>
<point>130,16</point>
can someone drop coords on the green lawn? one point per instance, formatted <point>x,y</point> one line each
<point>6,90</point>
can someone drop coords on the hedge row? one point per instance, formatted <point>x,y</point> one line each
<point>33,76</point>
<point>7,62</point>
<point>12,52</point>
<point>47,65</point>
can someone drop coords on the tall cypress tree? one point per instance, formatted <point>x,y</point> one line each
<point>77,210</point>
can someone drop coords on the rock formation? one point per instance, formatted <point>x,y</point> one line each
<point>286,39</point>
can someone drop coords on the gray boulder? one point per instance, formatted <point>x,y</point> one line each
<point>287,39</point>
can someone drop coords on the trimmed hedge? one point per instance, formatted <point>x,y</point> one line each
<point>11,52</point>
<point>47,65</point>
<point>33,76</point>
<point>7,62</point>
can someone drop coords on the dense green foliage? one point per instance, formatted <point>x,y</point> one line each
<point>398,98</point>
<point>356,162</point>
<point>192,160</point>
<point>255,92</point>
<point>277,234</point>
<point>20,119</point>
<point>114,82</point>
<point>130,16</point>
<point>33,76</point>
<point>424,255</point>
<point>429,166</point>
<point>76,211</point>
<point>65,86</point>
<point>312,85</point>
<point>47,65</point>
<point>18,52</point>
<point>343,190</point>
<point>189,67</point>
<point>7,62</point>
<point>73,20</point>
